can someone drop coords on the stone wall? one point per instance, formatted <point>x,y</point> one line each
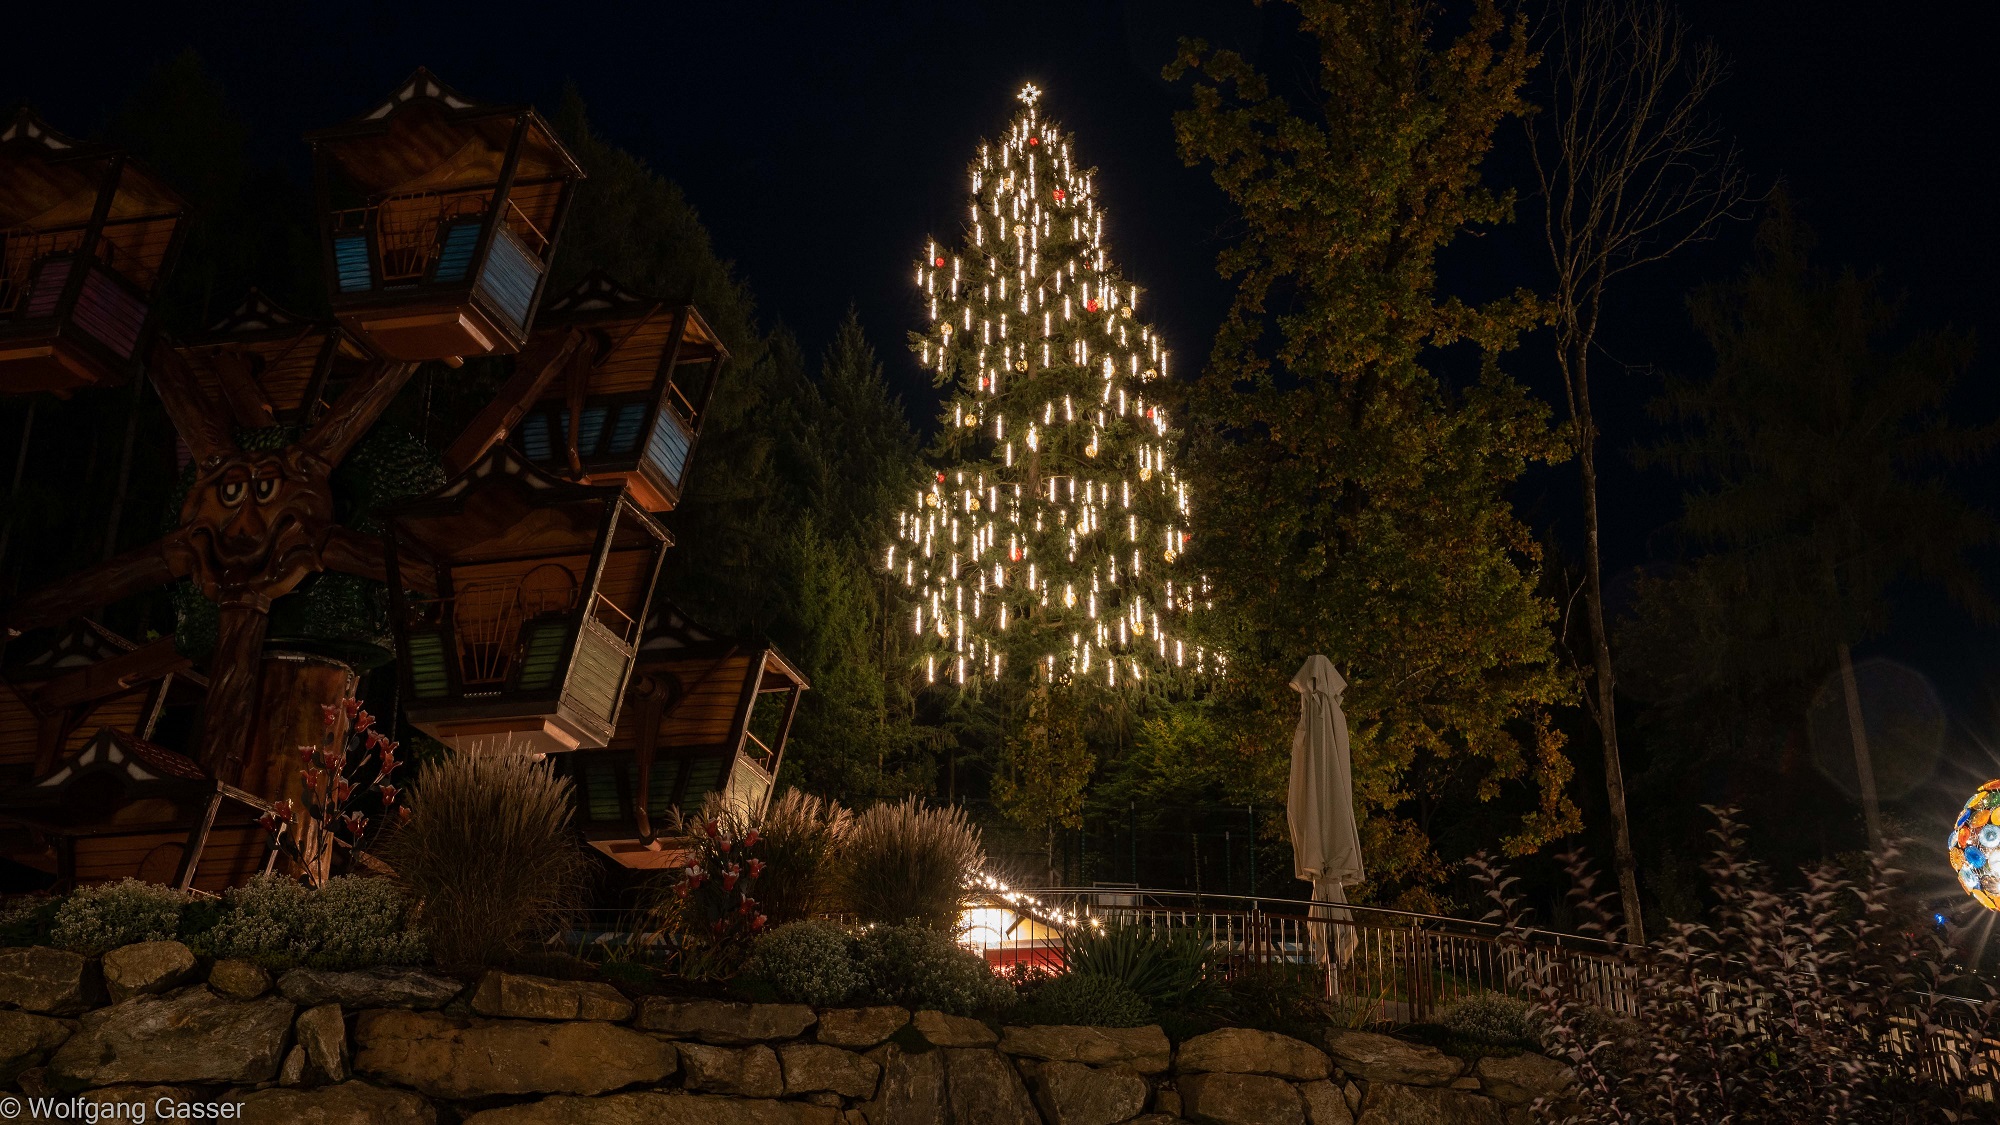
<point>150,1021</point>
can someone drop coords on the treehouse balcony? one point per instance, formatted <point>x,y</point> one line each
<point>634,413</point>
<point>86,236</point>
<point>440,217</point>
<point>704,714</point>
<point>531,634</point>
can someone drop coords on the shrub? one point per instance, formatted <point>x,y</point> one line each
<point>488,852</point>
<point>1784,1004</point>
<point>100,918</point>
<point>921,967</point>
<point>1274,996</point>
<point>1163,967</point>
<point>355,921</point>
<point>908,864</point>
<point>261,921</point>
<point>1502,1021</point>
<point>28,920</point>
<point>807,963</point>
<point>1085,999</point>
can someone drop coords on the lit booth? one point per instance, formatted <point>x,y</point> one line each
<point>440,217</point>
<point>540,585</point>
<point>635,413</point>
<point>86,236</point>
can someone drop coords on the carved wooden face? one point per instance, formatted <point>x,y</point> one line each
<point>257,521</point>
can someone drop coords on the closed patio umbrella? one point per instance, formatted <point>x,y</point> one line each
<point>1326,847</point>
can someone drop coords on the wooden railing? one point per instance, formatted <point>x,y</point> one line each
<point>406,229</point>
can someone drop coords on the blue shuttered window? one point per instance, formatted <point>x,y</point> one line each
<point>535,439</point>
<point>455,256</point>
<point>350,263</point>
<point>668,449</point>
<point>510,275</point>
<point>625,429</point>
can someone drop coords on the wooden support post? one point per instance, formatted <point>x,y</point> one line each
<point>197,841</point>
<point>232,694</point>
<point>652,697</point>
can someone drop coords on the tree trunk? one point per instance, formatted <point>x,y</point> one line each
<point>291,689</point>
<point>1864,765</point>
<point>1606,711</point>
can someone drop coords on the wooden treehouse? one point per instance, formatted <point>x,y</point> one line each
<point>264,366</point>
<point>540,588</point>
<point>704,714</point>
<point>440,217</point>
<point>633,411</point>
<point>95,791</point>
<point>86,236</point>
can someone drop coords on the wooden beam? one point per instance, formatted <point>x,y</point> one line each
<point>135,571</point>
<point>248,404</point>
<point>109,677</point>
<point>197,840</point>
<point>652,696</point>
<point>356,411</point>
<point>238,666</point>
<point>536,368</point>
<point>784,734</point>
<point>355,552</point>
<point>195,417</point>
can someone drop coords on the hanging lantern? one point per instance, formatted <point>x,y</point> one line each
<point>1974,846</point>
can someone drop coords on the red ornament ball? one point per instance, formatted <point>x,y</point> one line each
<point>940,478</point>
<point>1060,194</point>
<point>1034,140</point>
<point>940,263</point>
<point>1091,304</point>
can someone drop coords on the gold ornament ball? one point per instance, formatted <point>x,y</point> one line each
<point>1172,554</point>
<point>972,505</point>
<point>1127,310</point>
<point>945,328</point>
<point>1138,628</point>
<point>931,499</point>
<point>1020,228</point>
<point>1020,365</point>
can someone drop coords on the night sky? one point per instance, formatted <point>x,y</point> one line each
<point>822,142</point>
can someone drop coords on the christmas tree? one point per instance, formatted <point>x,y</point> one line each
<point>1051,545</point>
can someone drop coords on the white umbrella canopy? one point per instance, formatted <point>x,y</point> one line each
<point>1326,846</point>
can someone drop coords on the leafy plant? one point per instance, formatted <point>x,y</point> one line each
<point>260,922</point>
<point>908,864</point>
<point>101,918</point>
<point>1084,999</point>
<point>807,963</point>
<point>922,967</point>
<point>354,921</point>
<point>711,911</point>
<point>488,852</point>
<point>341,777</point>
<point>1826,1001</point>
<point>1276,996</point>
<point>1163,967</point>
<point>1502,1021</point>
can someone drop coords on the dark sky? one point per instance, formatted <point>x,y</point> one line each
<point>821,142</point>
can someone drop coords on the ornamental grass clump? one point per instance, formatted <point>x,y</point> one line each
<point>1084,1000</point>
<point>488,853</point>
<point>1163,966</point>
<point>909,864</point>
<point>1833,1000</point>
<point>102,918</point>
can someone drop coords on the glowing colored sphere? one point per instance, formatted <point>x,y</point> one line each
<point>1974,846</point>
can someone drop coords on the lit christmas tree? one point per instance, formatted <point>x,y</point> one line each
<point>1052,546</point>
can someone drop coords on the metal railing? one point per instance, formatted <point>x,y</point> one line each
<point>1407,965</point>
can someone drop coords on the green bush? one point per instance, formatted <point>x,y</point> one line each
<point>261,921</point>
<point>1274,996</point>
<point>807,963</point>
<point>27,921</point>
<point>919,967</point>
<point>1163,967</point>
<point>1491,1018</point>
<point>101,918</point>
<point>355,921</point>
<point>1084,999</point>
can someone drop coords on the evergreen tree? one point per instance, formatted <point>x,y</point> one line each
<point>1818,455</point>
<point>1366,513</point>
<point>1050,544</point>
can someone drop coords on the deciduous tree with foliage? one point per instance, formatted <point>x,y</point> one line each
<point>1361,503</point>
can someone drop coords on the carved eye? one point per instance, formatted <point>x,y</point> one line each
<point>231,492</point>
<point>265,488</point>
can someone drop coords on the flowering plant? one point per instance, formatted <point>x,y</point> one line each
<point>340,780</point>
<point>711,905</point>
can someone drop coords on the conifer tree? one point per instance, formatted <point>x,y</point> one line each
<point>1050,546</point>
